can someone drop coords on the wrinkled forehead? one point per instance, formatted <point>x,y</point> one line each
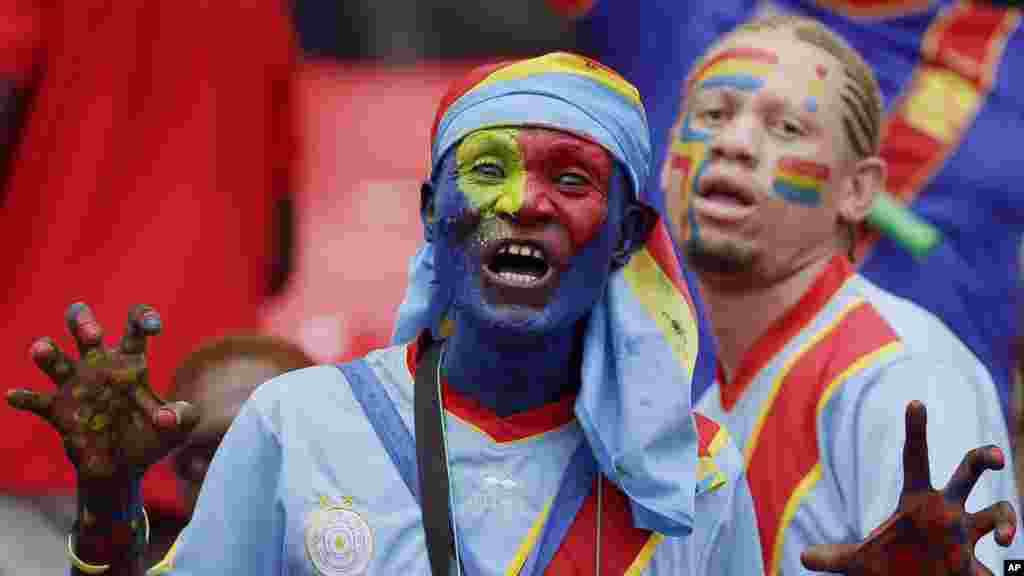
<point>535,138</point>
<point>533,147</point>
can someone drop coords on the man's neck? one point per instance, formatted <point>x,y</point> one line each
<point>512,373</point>
<point>740,315</point>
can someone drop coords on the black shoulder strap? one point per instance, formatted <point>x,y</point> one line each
<point>433,463</point>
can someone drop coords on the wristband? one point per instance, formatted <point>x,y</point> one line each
<point>93,569</point>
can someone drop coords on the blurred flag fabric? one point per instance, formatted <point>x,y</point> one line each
<point>953,112</point>
<point>158,137</point>
<point>365,151</point>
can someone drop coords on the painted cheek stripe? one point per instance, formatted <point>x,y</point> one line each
<point>688,161</point>
<point>801,181</point>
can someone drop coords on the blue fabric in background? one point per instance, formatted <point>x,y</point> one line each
<point>970,280</point>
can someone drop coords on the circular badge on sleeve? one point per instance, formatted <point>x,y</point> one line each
<point>339,542</point>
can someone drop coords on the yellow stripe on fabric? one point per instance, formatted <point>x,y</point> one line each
<point>777,384</point>
<point>943,103</point>
<point>706,467</point>
<point>167,564</point>
<point>857,366</point>
<point>804,487</point>
<point>529,542</point>
<point>645,555</point>
<point>567,64</point>
<point>808,482</point>
<point>665,305</point>
<point>719,441</point>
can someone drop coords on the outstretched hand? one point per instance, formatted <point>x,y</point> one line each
<point>931,533</point>
<point>112,424</point>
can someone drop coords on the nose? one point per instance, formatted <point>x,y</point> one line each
<point>536,206</point>
<point>737,141</point>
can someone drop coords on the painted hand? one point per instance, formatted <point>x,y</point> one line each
<point>930,533</point>
<point>112,424</point>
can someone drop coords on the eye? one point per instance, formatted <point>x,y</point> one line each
<point>572,179</point>
<point>489,170</point>
<point>789,129</point>
<point>712,116</point>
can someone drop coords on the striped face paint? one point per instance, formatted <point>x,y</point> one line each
<point>739,68</point>
<point>817,89</point>
<point>491,172</point>
<point>688,158</point>
<point>800,181</point>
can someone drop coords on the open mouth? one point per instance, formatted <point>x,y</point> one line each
<point>519,264</point>
<point>723,192</point>
<point>724,201</point>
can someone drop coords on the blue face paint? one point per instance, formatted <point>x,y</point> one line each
<point>740,82</point>
<point>694,145</point>
<point>533,342</point>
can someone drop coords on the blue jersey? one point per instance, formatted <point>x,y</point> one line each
<point>817,407</point>
<point>303,485</point>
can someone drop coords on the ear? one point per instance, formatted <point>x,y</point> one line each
<point>858,191</point>
<point>427,210</point>
<point>638,220</point>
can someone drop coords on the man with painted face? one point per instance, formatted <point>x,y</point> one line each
<point>547,311</point>
<point>547,319</point>
<point>773,162</point>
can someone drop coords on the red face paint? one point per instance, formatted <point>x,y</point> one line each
<point>567,179</point>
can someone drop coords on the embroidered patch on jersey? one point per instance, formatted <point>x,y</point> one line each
<point>497,495</point>
<point>339,542</point>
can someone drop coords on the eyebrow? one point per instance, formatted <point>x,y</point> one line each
<point>585,154</point>
<point>487,140</point>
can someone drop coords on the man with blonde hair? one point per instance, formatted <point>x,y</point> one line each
<point>774,162</point>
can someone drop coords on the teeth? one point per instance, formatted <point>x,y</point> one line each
<point>521,250</point>
<point>517,278</point>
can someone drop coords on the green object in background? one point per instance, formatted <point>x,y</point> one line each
<point>906,228</point>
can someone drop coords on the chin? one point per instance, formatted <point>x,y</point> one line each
<point>516,320</point>
<point>525,320</point>
<point>721,257</point>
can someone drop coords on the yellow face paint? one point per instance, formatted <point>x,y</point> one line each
<point>687,159</point>
<point>491,172</point>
